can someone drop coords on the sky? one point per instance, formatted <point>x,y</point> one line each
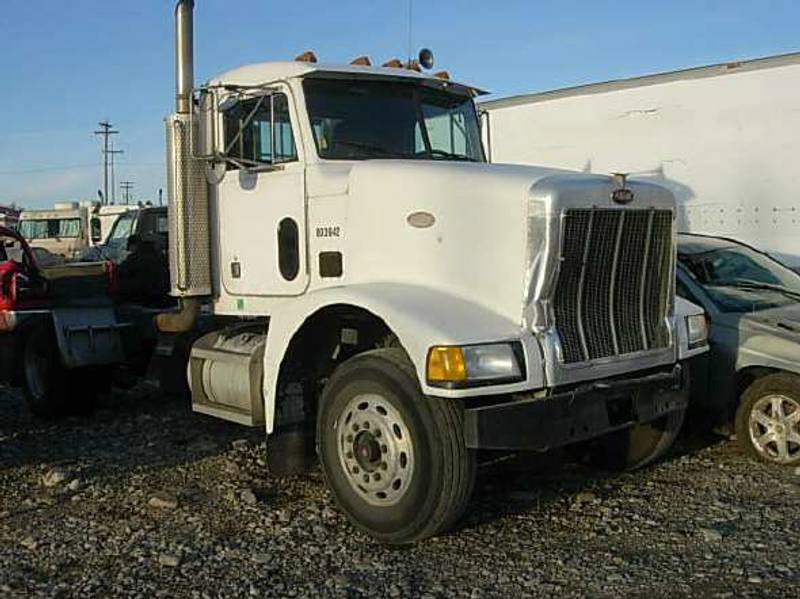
<point>66,65</point>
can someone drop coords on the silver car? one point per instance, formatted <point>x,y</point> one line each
<point>750,380</point>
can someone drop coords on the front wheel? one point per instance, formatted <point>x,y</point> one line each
<point>396,461</point>
<point>768,419</point>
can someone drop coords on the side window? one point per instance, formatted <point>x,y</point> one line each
<point>259,131</point>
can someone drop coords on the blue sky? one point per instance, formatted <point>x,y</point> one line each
<point>67,65</point>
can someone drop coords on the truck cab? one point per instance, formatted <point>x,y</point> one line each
<point>57,235</point>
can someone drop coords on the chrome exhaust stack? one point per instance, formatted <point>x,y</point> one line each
<point>189,243</point>
<point>184,55</point>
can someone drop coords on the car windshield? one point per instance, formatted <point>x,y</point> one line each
<point>363,119</point>
<point>123,227</point>
<point>739,279</point>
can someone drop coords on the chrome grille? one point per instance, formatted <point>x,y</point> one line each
<point>612,295</point>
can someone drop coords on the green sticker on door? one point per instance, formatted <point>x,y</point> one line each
<point>239,304</point>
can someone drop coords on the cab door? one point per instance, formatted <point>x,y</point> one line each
<point>261,200</point>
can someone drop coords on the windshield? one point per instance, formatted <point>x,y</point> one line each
<point>123,227</point>
<point>363,119</point>
<point>739,279</point>
<point>53,228</point>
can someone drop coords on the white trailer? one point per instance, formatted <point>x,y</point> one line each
<point>724,138</point>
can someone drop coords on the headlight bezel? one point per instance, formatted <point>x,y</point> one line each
<point>697,330</point>
<point>516,375</point>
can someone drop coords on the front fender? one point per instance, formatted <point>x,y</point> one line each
<point>420,317</point>
<point>768,350</point>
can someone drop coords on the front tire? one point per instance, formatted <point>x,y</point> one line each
<point>635,447</point>
<point>768,419</point>
<point>396,461</point>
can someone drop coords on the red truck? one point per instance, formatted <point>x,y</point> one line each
<point>66,330</point>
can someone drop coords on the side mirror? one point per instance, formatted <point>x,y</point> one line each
<point>206,131</point>
<point>97,236</point>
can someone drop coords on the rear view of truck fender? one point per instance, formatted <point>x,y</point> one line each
<point>414,318</point>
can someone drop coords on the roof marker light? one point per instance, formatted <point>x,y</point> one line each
<point>362,61</point>
<point>444,75</point>
<point>394,63</point>
<point>307,56</point>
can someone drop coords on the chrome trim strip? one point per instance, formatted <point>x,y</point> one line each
<point>643,278</point>
<point>612,288</point>
<point>587,244</point>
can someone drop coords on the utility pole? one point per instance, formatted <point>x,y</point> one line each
<point>112,152</point>
<point>126,187</point>
<point>106,130</point>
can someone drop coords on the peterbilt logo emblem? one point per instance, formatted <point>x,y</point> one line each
<point>621,195</point>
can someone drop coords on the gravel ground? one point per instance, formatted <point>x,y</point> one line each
<point>146,499</point>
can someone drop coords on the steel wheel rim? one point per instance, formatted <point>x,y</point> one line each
<point>376,451</point>
<point>774,427</point>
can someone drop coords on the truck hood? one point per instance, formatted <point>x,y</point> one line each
<point>783,321</point>
<point>335,177</point>
<point>474,238</point>
<point>457,227</point>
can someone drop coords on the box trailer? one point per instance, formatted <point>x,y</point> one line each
<point>725,139</point>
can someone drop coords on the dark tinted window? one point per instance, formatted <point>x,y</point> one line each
<point>362,119</point>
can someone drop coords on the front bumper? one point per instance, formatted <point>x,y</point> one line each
<point>588,411</point>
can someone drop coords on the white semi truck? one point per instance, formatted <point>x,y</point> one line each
<point>725,139</point>
<point>381,291</point>
<point>354,277</point>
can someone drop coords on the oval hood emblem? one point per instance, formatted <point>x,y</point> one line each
<point>421,219</point>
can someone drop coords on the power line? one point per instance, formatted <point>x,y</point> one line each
<point>126,187</point>
<point>106,131</point>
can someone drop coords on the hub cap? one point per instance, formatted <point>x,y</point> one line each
<point>375,450</point>
<point>775,428</point>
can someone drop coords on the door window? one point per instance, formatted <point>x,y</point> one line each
<point>259,131</point>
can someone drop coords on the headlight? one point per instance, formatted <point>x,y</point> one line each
<point>450,366</point>
<point>697,329</point>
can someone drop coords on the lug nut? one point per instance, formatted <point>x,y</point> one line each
<point>384,449</point>
<point>377,476</point>
<point>378,433</point>
<point>349,438</point>
<point>349,455</point>
<point>355,470</point>
<point>384,466</point>
<point>366,478</point>
<point>355,428</point>
<point>366,425</point>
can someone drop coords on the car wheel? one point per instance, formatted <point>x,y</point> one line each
<point>396,461</point>
<point>768,419</point>
<point>50,389</point>
<point>44,376</point>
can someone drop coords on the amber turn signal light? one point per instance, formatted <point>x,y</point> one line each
<point>446,365</point>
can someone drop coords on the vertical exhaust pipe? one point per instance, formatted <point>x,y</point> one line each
<point>189,247</point>
<point>184,55</point>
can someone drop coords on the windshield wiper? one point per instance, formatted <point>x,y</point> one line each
<point>445,154</point>
<point>751,286</point>
<point>372,148</point>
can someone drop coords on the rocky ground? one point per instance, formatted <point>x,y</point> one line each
<point>148,500</point>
